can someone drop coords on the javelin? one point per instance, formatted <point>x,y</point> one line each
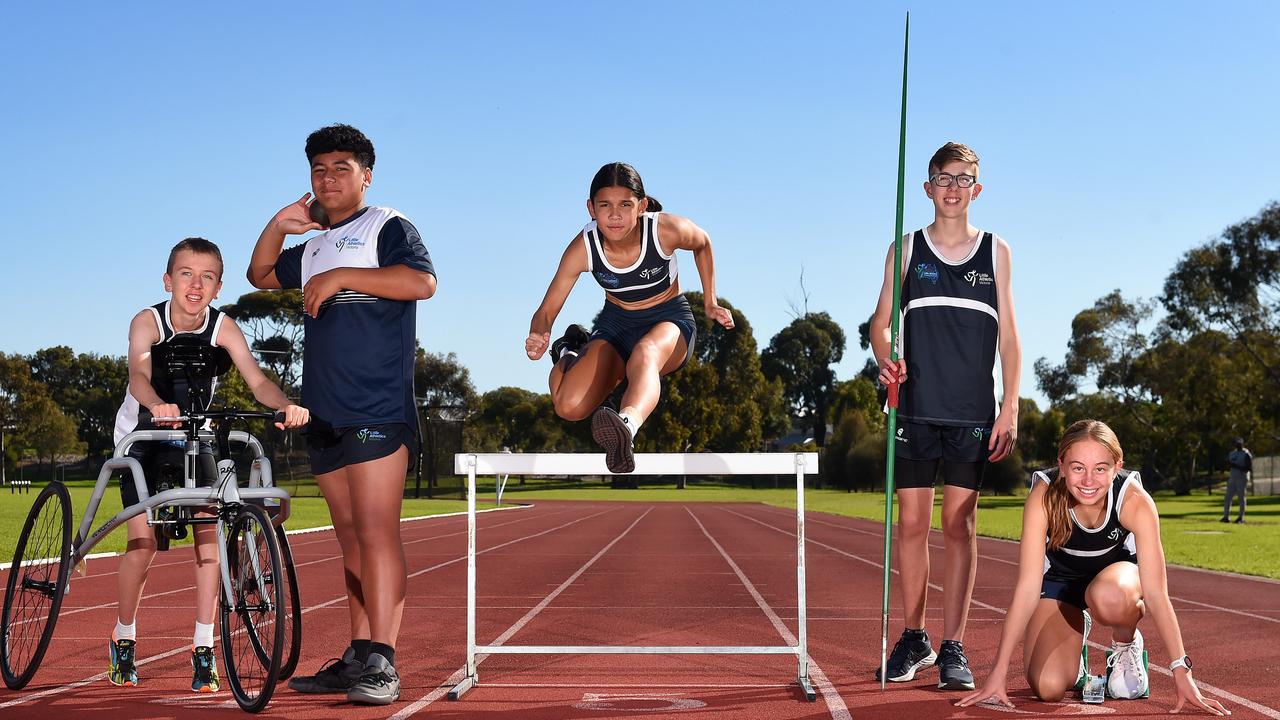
<point>893,357</point>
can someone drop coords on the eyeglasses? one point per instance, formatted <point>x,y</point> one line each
<point>945,180</point>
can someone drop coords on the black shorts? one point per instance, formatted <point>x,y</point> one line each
<point>1070,592</point>
<point>624,328</point>
<point>331,448</point>
<point>918,448</point>
<point>162,466</point>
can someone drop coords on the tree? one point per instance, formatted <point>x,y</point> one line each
<point>517,419</point>
<point>444,392</point>
<point>15,383</point>
<point>802,355</point>
<point>46,430</point>
<point>88,388</point>
<point>273,322</point>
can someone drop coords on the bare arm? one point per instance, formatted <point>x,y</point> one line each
<point>393,282</point>
<point>1026,593</point>
<point>684,234</point>
<point>143,334</point>
<point>1005,431</point>
<point>264,391</point>
<point>572,264</point>
<point>1140,517</point>
<point>881,327</point>
<point>292,219</point>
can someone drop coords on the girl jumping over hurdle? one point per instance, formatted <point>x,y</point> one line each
<point>646,329</point>
<point>1090,554</point>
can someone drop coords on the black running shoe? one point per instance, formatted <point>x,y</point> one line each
<point>378,684</point>
<point>610,433</point>
<point>336,676</point>
<point>911,653</point>
<point>575,337</point>
<point>953,667</point>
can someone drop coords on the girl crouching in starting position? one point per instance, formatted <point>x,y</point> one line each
<point>1090,542</point>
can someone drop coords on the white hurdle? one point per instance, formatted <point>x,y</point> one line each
<point>646,464</point>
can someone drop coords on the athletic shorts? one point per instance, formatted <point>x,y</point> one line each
<point>162,464</point>
<point>922,441</point>
<point>1069,590</point>
<point>624,328</point>
<point>331,448</point>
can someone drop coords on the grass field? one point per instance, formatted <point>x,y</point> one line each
<point>1190,529</point>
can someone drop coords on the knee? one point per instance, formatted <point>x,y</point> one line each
<point>913,529</point>
<point>1113,604</point>
<point>1047,689</point>
<point>959,528</point>
<point>571,408</point>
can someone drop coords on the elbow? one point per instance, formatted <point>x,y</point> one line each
<point>426,286</point>
<point>255,279</point>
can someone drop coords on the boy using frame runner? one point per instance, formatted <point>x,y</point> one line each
<point>957,312</point>
<point>361,279</point>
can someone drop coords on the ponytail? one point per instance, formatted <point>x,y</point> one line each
<point>654,205</point>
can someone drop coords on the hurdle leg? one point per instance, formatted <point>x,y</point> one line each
<point>471,678</point>
<point>802,630</point>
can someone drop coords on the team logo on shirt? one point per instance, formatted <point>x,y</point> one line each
<point>651,272</point>
<point>364,435</point>
<point>354,243</point>
<point>975,278</point>
<point>608,279</point>
<point>1115,534</point>
<point>927,271</point>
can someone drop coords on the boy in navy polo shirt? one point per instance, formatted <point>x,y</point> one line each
<point>360,280</point>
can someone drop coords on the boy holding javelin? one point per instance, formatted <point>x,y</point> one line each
<point>361,279</point>
<point>956,315</point>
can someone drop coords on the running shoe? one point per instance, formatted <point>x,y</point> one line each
<point>912,652</point>
<point>612,434</point>
<point>1083,678</point>
<point>122,670</point>
<point>204,670</point>
<point>953,667</point>
<point>1127,670</point>
<point>335,676</point>
<point>378,684</point>
<point>575,337</point>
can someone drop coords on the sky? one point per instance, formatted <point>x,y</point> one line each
<point>1113,136</point>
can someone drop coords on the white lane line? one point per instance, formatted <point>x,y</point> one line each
<point>835,703</point>
<point>461,672</point>
<point>990,558</point>
<point>1204,686</point>
<point>187,647</point>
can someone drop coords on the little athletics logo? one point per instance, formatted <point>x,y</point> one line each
<point>975,278</point>
<point>365,435</point>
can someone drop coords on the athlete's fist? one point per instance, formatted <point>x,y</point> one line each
<point>536,344</point>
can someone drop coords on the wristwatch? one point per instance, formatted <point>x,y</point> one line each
<point>1184,661</point>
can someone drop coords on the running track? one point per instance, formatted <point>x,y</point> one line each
<point>636,574</point>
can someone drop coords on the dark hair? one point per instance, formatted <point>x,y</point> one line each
<point>620,174</point>
<point>340,138</point>
<point>195,245</point>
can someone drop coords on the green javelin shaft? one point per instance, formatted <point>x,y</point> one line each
<point>893,355</point>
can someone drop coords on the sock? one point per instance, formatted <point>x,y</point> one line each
<point>385,651</point>
<point>631,422</point>
<point>125,632</point>
<point>915,633</point>
<point>362,650</point>
<point>203,636</point>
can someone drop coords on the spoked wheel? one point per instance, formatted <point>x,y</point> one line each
<point>253,626</point>
<point>36,585</point>
<point>293,608</point>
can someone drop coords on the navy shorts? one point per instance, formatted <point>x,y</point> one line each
<point>923,441</point>
<point>624,328</point>
<point>1070,592</point>
<point>162,465</point>
<point>331,448</point>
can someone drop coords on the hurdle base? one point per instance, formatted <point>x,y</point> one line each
<point>806,688</point>
<point>462,687</point>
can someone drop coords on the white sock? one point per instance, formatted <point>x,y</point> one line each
<point>203,636</point>
<point>632,423</point>
<point>125,632</point>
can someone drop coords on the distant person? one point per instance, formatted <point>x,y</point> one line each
<point>192,278</point>
<point>957,315</point>
<point>1090,542</point>
<point>646,329</point>
<point>1240,462</point>
<point>361,279</point>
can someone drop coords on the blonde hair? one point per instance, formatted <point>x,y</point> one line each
<point>951,152</point>
<point>1057,501</point>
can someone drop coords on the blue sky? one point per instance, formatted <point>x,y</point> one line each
<point>1114,137</point>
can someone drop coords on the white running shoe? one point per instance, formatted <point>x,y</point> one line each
<point>1127,670</point>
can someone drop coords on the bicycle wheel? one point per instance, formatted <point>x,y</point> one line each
<point>253,624</point>
<point>37,583</point>
<point>293,608</point>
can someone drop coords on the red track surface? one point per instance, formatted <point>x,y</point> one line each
<point>662,582</point>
